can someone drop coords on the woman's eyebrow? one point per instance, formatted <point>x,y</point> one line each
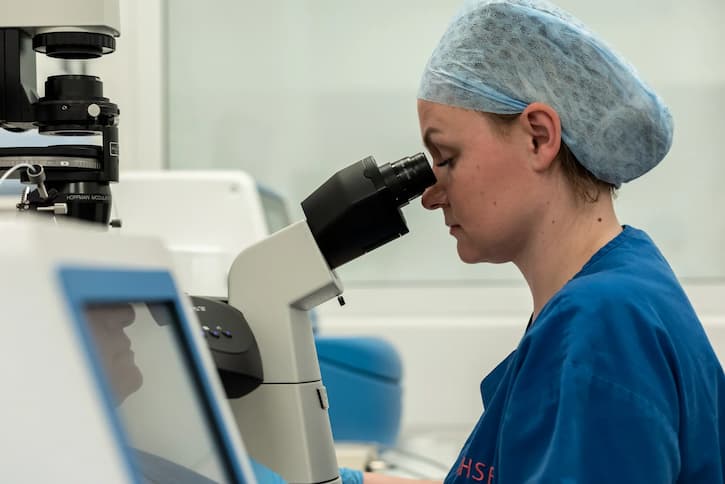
<point>428,133</point>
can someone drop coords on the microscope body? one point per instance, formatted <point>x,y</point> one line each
<point>275,282</point>
<point>285,420</point>
<point>38,26</point>
<point>76,177</point>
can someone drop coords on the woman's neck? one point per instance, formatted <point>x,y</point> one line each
<point>569,234</point>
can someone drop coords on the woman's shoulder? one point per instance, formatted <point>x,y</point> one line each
<point>621,315</point>
<point>617,303</point>
<point>628,278</point>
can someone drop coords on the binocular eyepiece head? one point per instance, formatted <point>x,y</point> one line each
<point>358,208</point>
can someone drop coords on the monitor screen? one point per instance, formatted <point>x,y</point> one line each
<point>156,393</point>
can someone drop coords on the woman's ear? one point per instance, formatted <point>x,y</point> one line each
<point>542,128</point>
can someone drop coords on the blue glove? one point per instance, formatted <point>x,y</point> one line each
<point>351,476</point>
<point>265,475</point>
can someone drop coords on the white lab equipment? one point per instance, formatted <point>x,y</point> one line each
<point>73,179</point>
<point>106,369</point>
<point>204,217</point>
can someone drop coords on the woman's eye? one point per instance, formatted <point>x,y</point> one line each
<point>446,162</point>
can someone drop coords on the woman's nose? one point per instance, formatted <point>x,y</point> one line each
<point>433,197</point>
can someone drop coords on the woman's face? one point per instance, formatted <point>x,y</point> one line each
<point>485,185</point>
<point>107,323</point>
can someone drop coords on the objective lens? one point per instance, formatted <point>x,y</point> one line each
<point>73,87</point>
<point>74,45</point>
<point>74,105</point>
<point>408,177</point>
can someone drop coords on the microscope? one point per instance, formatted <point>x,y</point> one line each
<point>70,180</point>
<point>274,283</point>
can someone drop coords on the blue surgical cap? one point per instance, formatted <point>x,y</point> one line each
<point>499,56</point>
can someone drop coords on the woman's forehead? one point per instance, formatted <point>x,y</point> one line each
<point>441,117</point>
<point>440,120</point>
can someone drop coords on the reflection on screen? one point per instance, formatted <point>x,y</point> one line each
<point>156,397</point>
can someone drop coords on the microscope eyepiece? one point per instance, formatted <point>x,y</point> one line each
<point>358,208</point>
<point>408,177</point>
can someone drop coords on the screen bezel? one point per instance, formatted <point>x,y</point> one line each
<point>91,286</point>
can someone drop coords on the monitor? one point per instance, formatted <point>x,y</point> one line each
<point>148,367</point>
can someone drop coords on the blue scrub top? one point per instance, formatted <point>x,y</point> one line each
<point>615,381</point>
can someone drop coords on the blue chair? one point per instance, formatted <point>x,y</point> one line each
<point>363,379</point>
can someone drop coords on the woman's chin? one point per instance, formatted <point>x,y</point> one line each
<point>127,380</point>
<point>468,256</point>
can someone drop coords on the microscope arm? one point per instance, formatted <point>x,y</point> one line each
<point>284,422</point>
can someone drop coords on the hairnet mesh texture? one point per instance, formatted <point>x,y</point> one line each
<point>499,56</point>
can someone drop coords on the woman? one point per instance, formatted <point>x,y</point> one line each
<point>532,123</point>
